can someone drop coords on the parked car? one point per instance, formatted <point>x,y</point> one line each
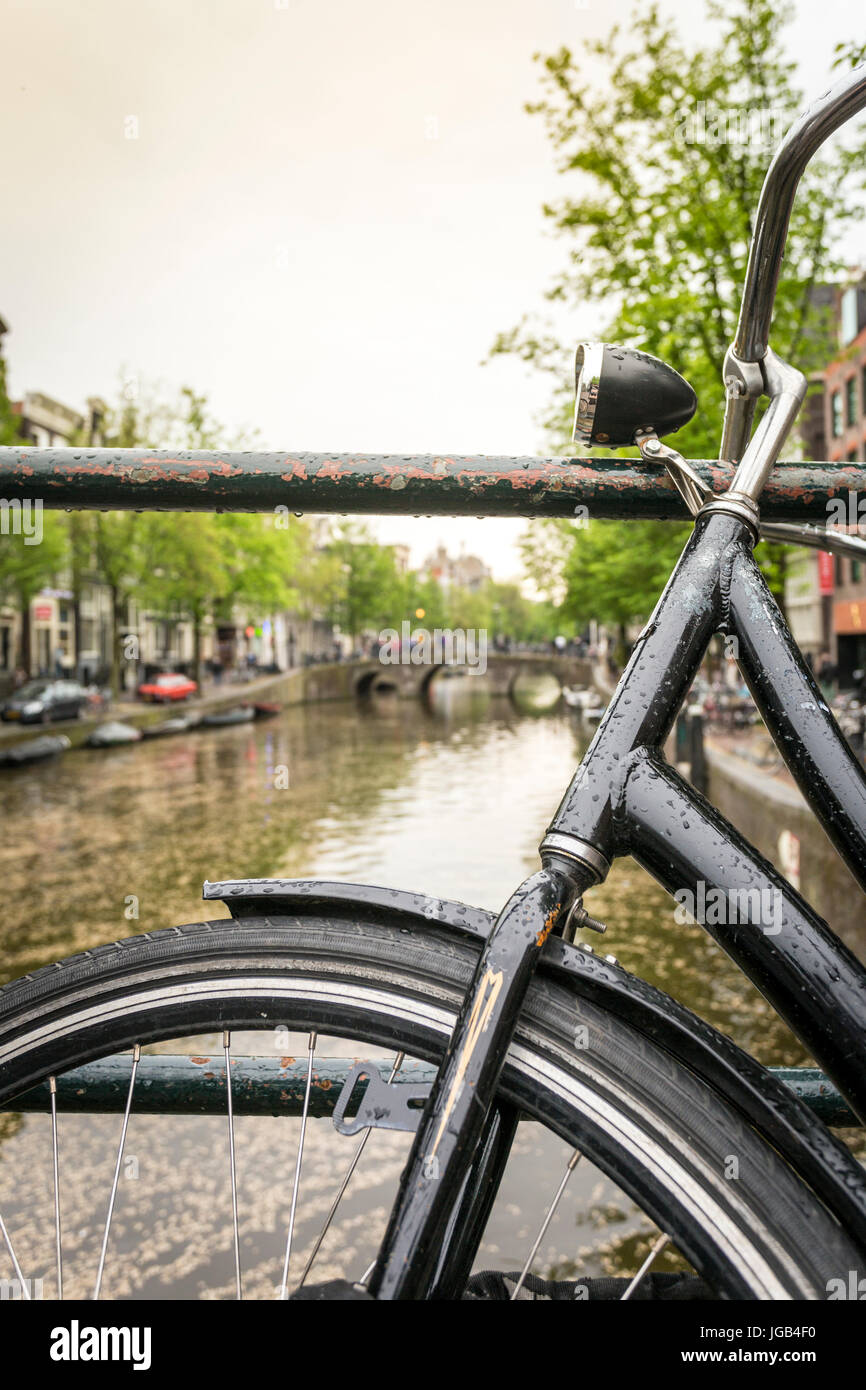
<point>36,702</point>
<point>168,687</point>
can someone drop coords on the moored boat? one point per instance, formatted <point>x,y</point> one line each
<point>181,725</point>
<point>265,709</point>
<point>112,733</point>
<point>34,750</point>
<point>240,714</point>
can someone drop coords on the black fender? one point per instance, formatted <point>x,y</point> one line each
<point>767,1103</point>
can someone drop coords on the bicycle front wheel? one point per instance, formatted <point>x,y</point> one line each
<point>745,1220</point>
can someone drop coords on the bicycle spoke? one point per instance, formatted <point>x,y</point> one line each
<point>398,1062</point>
<point>52,1083</point>
<point>570,1167</point>
<point>659,1246</point>
<point>227,1038</point>
<point>25,1288</point>
<point>136,1053</point>
<point>295,1185</point>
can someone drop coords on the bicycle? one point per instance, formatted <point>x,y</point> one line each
<point>512,1016</point>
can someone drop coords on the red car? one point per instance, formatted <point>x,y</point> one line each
<point>169,687</point>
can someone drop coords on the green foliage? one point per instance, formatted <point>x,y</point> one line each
<point>8,419</point>
<point>664,163</point>
<point>25,569</point>
<point>365,588</point>
<point>615,566</point>
<point>662,190</point>
<point>177,565</point>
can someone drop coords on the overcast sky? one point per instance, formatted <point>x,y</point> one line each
<point>327,214</point>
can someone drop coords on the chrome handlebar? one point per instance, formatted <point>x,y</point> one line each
<point>744,384</point>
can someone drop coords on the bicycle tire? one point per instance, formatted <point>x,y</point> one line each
<point>662,1132</point>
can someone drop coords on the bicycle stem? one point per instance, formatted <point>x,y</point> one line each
<point>743,380</point>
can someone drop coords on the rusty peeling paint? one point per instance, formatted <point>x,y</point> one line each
<point>549,922</point>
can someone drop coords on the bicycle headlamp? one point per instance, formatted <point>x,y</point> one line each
<point>620,392</point>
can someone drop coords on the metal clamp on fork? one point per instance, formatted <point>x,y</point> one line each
<point>696,494</point>
<point>691,487</point>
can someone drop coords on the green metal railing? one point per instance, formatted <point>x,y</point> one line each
<point>406,484</point>
<point>171,1085</point>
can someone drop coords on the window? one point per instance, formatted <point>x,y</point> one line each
<point>851,401</point>
<point>836,414</point>
<point>849,326</point>
<point>852,456</point>
<point>840,570</point>
<point>855,571</point>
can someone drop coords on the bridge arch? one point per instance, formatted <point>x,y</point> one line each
<point>375,679</point>
<point>502,671</point>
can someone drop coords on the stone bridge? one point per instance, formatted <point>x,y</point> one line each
<point>503,669</point>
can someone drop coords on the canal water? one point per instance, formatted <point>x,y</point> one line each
<point>449,798</point>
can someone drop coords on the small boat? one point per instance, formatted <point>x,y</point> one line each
<point>585,700</point>
<point>594,714</point>
<point>573,697</point>
<point>34,750</point>
<point>180,725</point>
<point>240,714</point>
<point>112,733</point>
<point>265,710</point>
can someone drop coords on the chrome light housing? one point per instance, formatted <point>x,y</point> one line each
<point>621,392</point>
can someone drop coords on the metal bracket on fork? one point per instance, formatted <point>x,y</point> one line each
<point>381,1106</point>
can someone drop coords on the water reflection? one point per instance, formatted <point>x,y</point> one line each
<point>449,797</point>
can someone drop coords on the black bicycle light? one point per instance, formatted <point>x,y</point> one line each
<point>620,392</point>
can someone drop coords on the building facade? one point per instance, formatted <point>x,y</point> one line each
<point>826,596</point>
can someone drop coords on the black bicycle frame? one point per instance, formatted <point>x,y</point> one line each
<point>625,799</point>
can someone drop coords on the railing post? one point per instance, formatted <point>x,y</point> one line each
<point>696,755</point>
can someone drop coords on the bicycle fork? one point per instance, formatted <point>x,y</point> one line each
<point>422,1241</point>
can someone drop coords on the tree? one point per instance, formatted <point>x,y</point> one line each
<point>368,591</point>
<point>664,163</point>
<point>182,566</point>
<point>9,432</point>
<point>615,572</point>
<point>425,595</point>
<point>513,615</point>
<point>25,569</point>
